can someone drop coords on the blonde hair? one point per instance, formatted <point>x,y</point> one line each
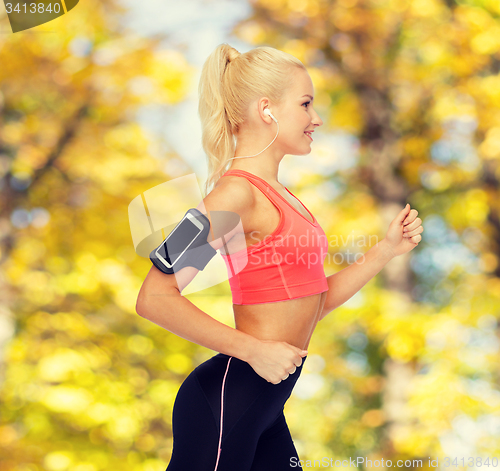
<point>229,82</point>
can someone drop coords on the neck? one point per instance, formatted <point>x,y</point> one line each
<point>265,165</point>
<point>263,170</point>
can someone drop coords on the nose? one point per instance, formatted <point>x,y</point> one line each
<point>316,119</point>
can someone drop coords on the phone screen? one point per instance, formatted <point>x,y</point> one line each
<point>184,234</point>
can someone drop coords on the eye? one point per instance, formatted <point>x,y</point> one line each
<point>306,103</point>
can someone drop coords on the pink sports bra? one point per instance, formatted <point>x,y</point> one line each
<point>286,264</point>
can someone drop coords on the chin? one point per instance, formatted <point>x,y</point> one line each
<point>298,151</point>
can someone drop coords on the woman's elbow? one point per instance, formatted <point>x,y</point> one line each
<point>147,302</point>
<point>139,305</point>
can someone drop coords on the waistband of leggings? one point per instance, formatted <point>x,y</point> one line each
<point>223,355</point>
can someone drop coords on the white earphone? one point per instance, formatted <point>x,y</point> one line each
<point>268,113</point>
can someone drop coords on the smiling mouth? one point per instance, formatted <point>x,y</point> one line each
<point>308,135</point>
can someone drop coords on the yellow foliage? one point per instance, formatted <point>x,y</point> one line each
<point>58,460</point>
<point>490,147</point>
<point>67,399</point>
<point>84,369</point>
<point>178,363</point>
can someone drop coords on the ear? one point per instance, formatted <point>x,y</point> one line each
<point>262,105</point>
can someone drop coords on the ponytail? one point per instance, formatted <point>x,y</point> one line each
<point>217,139</point>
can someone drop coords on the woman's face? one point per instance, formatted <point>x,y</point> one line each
<point>297,116</point>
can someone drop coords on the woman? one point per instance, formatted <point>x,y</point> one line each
<point>228,413</point>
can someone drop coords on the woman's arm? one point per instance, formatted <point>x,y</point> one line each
<point>402,237</point>
<point>166,307</point>
<point>347,282</point>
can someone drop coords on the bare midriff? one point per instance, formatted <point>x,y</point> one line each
<point>292,321</point>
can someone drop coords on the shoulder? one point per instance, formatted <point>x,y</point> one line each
<point>232,195</point>
<point>233,192</point>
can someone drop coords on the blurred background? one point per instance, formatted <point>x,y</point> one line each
<point>99,105</point>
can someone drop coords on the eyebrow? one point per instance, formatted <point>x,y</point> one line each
<point>312,98</point>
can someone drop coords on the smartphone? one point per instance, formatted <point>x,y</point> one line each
<point>179,240</point>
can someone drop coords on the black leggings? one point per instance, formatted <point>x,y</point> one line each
<point>255,436</point>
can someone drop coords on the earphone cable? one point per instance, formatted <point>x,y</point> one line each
<point>245,156</point>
